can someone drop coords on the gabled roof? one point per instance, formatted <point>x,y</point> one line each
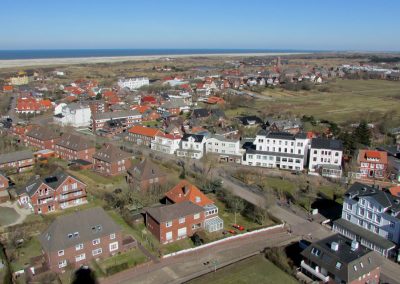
<point>110,154</point>
<point>43,133</point>
<point>89,224</point>
<point>16,156</point>
<point>324,143</point>
<point>367,155</point>
<point>185,191</point>
<point>145,170</point>
<point>197,137</point>
<point>341,262</point>
<point>174,211</point>
<point>145,131</point>
<point>74,142</point>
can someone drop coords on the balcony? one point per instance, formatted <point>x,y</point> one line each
<point>314,272</point>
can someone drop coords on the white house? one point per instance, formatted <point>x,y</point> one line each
<point>326,157</point>
<point>75,115</point>
<point>133,83</point>
<point>227,149</point>
<point>166,143</point>
<point>192,146</point>
<point>370,216</point>
<point>58,108</point>
<point>278,150</point>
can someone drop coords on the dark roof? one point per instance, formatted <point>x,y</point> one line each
<point>43,133</point>
<point>110,154</point>
<point>328,258</point>
<point>16,156</point>
<point>174,211</point>
<point>197,137</point>
<point>364,233</point>
<point>201,113</point>
<point>384,198</point>
<point>283,135</point>
<point>145,170</point>
<point>247,119</point>
<point>93,223</point>
<point>324,143</point>
<point>74,142</point>
<point>53,181</point>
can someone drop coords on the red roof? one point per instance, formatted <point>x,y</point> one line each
<point>145,131</point>
<point>141,109</point>
<point>367,155</point>
<point>169,136</point>
<point>149,99</point>
<point>46,103</point>
<point>7,88</point>
<point>395,191</point>
<point>185,191</point>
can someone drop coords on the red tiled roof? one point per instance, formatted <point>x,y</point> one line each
<point>140,109</point>
<point>395,191</point>
<point>142,130</point>
<point>365,155</point>
<point>185,191</point>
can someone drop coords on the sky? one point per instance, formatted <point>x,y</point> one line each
<point>363,25</point>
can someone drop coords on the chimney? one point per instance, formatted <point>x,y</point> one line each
<point>185,190</point>
<point>334,246</point>
<point>354,245</point>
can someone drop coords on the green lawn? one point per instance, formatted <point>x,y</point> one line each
<point>177,246</point>
<point>7,216</point>
<point>253,270</point>
<point>132,257</point>
<point>29,249</point>
<point>280,184</point>
<point>347,100</point>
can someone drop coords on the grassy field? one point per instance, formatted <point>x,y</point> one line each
<point>132,258</point>
<point>28,250</point>
<point>253,270</point>
<point>347,100</point>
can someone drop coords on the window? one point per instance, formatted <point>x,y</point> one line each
<point>76,235</point>
<point>112,236</point>
<point>62,263</point>
<point>355,267</point>
<point>80,257</point>
<point>196,216</point>
<point>348,217</point>
<point>338,265</point>
<point>369,215</point>
<point>74,185</point>
<point>97,251</point>
<point>316,252</point>
<point>65,187</point>
<point>182,220</point>
<point>79,247</point>
<point>60,252</point>
<point>391,224</point>
<point>168,224</point>
<point>349,206</point>
<point>96,242</point>
<point>168,236</point>
<point>362,265</point>
<point>114,246</point>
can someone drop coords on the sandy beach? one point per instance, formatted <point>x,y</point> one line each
<point>92,60</point>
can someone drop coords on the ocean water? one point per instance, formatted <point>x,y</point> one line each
<point>76,53</point>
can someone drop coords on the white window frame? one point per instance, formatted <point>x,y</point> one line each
<point>112,236</point>
<point>79,246</point>
<point>62,263</point>
<point>61,252</point>
<point>182,220</point>
<point>168,224</point>
<point>97,251</point>
<point>80,257</point>
<point>113,246</point>
<point>95,242</point>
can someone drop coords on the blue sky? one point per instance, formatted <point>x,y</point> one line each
<point>316,25</point>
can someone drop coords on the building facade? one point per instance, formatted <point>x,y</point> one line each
<point>42,138</point>
<point>74,147</point>
<point>226,149</point>
<point>133,83</point>
<point>372,164</point>
<point>75,115</point>
<point>326,157</point>
<point>20,161</point>
<point>192,146</point>
<point>111,161</point>
<point>141,135</point>
<point>127,118</point>
<point>166,143</point>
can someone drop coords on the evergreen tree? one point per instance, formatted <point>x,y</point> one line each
<point>362,134</point>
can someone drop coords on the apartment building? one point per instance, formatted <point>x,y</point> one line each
<point>145,175</point>
<point>326,157</point>
<point>166,143</point>
<point>192,146</point>
<point>20,161</point>
<point>111,160</point>
<point>74,147</point>
<point>133,83</point>
<point>127,119</point>
<point>41,138</point>
<point>372,164</point>
<point>141,135</point>
<point>75,115</point>
<point>227,150</point>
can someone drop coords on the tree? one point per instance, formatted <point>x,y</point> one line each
<point>348,142</point>
<point>362,134</point>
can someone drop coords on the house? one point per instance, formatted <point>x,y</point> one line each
<point>74,147</point>
<point>336,259</point>
<point>166,143</point>
<point>169,223</point>
<point>133,83</point>
<point>110,160</point>
<point>226,149</point>
<point>129,118</point>
<point>371,217</point>
<point>192,145</point>
<point>148,100</point>
<point>326,157</point>
<point>372,164</point>
<point>185,191</point>
<point>4,182</point>
<point>145,175</point>
<point>21,78</point>
<point>150,115</point>
<point>31,105</point>
<point>52,193</point>
<point>75,115</point>
<point>20,161</point>
<point>173,107</point>
<point>250,121</point>
<point>278,150</point>
<point>292,126</point>
<point>68,242</point>
<point>42,138</point>
<point>112,128</point>
<point>141,135</point>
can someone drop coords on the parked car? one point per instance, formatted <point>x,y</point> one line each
<point>238,227</point>
<point>233,232</point>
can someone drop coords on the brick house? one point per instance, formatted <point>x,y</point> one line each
<point>110,160</point>
<point>145,175</point>
<point>185,191</point>
<point>3,181</point>
<point>170,223</point>
<point>52,193</point>
<point>20,160</point>
<point>141,135</point>
<point>42,138</point>
<point>74,147</point>
<point>372,164</point>
<point>337,259</point>
<point>68,242</point>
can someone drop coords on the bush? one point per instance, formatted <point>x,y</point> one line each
<point>278,257</point>
<point>117,268</point>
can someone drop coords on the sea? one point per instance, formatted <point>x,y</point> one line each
<point>77,53</point>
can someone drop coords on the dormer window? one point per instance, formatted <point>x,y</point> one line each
<point>338,265</point>
<point>76,235</point>
<point>70,236</point>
